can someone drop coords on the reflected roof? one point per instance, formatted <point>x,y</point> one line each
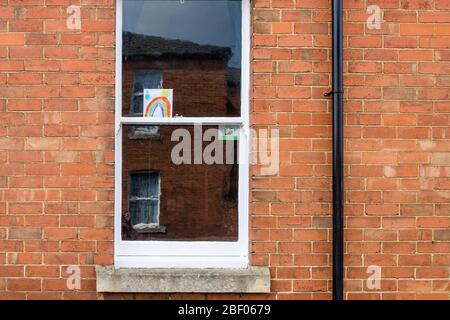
<point>140,45</point>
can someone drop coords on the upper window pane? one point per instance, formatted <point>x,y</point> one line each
<point>191,47</point>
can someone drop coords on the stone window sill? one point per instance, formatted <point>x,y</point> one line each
<point>137,280</point>
<point>147,228</point>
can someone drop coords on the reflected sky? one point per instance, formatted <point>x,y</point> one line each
<point>212,22</point>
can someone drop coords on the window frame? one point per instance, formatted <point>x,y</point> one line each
<point>186,254</point>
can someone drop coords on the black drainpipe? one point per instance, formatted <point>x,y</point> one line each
<point>338,154</point>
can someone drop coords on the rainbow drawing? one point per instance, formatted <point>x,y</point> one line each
<point>157,103</point>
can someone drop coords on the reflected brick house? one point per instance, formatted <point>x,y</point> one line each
<point>199,202</point>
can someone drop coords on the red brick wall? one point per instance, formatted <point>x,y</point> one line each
<point>397,147</point>
<point>56,138</point>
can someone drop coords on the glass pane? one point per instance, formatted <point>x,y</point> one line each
<point>143,212</point>
<point>191,47</point>
<point>144,184</point>
<point>198,179</point>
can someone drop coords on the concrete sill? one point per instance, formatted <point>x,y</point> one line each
<point>135,280</point>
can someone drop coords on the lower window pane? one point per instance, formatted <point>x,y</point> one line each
<point>143,212</point>
<point>180,183</point>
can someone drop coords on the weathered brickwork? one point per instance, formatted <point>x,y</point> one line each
<point>57,148</point>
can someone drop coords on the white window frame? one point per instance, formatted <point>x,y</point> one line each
<point>185,254</point>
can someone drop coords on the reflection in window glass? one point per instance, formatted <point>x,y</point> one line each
<point>192,47</point>
<point>143,79</point>
<point>144,199</point>
<point>198,197</point>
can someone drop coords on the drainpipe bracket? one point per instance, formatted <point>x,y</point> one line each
<point>328,94</point>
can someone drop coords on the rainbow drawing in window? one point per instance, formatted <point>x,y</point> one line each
<point>157,103</point>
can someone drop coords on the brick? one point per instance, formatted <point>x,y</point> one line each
<point>294,41</point>
<point>24,285</point>
<point>24,105</point>
<point>25,78</point>
<point>12,39</point>
<point>442,234</point>
<point>11,65</point>
<point>440,158</point>
<point>56,52</point>
<point>25,258</point>
<point>78,246</point>
<point>42,271</point>
<point>282,27</point>
<point>25,233</point>
<point>60,233</point>
<point>11,271</point>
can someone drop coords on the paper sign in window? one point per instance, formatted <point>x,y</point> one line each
<point>158,103</point>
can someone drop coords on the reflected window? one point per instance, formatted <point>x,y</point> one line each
<point>150,79</point>
<point>143,203</point>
